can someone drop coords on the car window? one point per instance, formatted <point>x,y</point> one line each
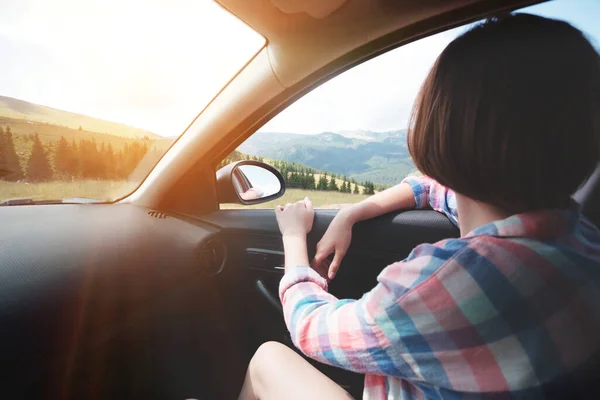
<point>346,139</point>
<point>93,92</point>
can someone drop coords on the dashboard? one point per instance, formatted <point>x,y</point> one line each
<point>76,276</point>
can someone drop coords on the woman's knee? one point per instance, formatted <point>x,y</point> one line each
<point>263,365</point>
<point>267,354</point>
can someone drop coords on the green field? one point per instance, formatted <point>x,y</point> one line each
<point>109,190</point>
<point>319,199</point>
<point>92,189</point>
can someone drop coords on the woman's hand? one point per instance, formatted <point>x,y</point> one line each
<point>336,240</point>
<point>295,220</point>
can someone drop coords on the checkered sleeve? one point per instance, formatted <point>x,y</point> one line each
<point>431,194</point>
<point>364,335</point>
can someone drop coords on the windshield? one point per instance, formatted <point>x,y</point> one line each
<point>93,92</point>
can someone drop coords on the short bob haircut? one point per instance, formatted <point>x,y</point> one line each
<point>510,114</point>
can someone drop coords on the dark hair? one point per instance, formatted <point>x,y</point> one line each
<point>510,114</point>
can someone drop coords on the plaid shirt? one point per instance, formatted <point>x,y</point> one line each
<point>503,312</point>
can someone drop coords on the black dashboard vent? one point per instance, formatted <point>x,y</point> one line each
<point>157,214</point>
<point>213,255</point>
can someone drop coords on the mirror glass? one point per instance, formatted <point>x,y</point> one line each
<point>253,182</point>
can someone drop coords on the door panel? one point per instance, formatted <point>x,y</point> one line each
<point>375,244</point>
<point>255,254</point>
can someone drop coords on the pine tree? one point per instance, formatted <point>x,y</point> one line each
<point>73,167</point>
<point>91,161</point>
<point>109,162</point>
<point>13,171</point>
<point>293,182</point>
<point>101,165</point>
<point>332,186</point>
<point>355,189</point>
<point>3,163</point>
<point>322,185</point>
<point>62,155</point>
<point>86,157</point>
<point>38,166</point>
<point>286,178</point>
<point>369,188</point>
<point>301,180</point>
<point>119,169</point>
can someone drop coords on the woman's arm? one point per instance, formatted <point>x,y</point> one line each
<point>414,192</point>
<point>374,334</point>
<point>295,250</point>
<point>295,221</point>
<point>395,198</point>
<point>359,335</point>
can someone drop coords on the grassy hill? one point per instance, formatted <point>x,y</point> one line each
<point>16,109</point>
<point>23,132</point>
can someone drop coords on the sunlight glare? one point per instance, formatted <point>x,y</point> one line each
<point>153,64</point>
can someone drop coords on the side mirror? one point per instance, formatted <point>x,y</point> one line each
<point>249,182</point>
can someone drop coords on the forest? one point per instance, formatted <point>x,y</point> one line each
<point>88,159</point>
<point>299,176</point>
<point>64,160</point>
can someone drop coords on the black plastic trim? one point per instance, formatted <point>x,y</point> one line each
<point>274,301</point>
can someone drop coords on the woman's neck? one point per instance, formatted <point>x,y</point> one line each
<point>473,214</point>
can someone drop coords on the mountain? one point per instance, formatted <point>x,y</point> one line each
<point>380,157</point>
<point>24,110</point>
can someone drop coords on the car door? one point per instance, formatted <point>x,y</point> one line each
<point>255,258</point>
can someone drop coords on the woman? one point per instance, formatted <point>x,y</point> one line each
<point>507,127</point>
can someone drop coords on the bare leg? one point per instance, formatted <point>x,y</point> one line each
<point>277,372</point>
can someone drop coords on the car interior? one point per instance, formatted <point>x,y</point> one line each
<point>163,294</point>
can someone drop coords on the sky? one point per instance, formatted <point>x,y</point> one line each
<point>378,95</point>
<point>154,64</point>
